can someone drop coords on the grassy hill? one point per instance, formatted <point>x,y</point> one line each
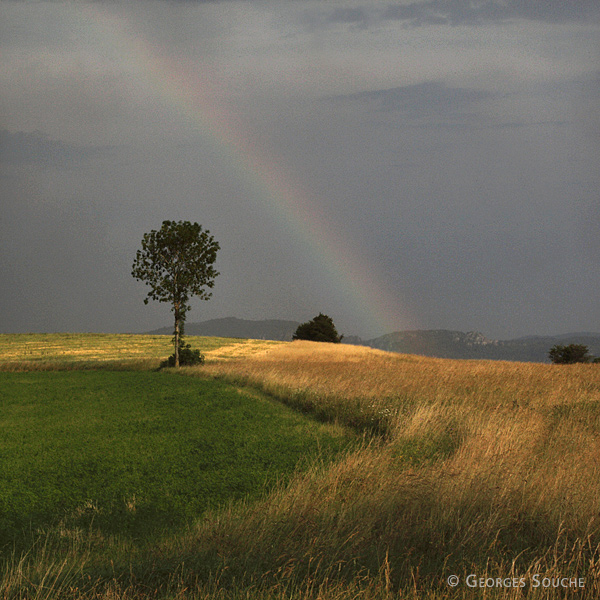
<point>483,470</point>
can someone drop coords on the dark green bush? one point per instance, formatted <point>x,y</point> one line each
<point>320,329</point>
<point>569,355</point>
<point>188,357</point>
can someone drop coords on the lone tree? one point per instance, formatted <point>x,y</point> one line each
<point>320,329</point>
<point>569,355</point>
<point>177,263</point>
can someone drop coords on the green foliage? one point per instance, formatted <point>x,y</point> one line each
<point>319,329</point>
<point>568,355</point>
<point>188,357</point>
<point>177,263</point>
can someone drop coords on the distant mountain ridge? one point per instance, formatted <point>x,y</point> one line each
<point>440,343</point>
<point>269,329</point>
<point>474,345</point>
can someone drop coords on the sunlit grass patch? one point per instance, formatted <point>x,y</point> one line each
<point>235,348</point>
<point>49,351</point>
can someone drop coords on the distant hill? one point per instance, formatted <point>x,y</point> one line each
<point>439,343</point>
<point>457,344</point>
<point>270,329</point>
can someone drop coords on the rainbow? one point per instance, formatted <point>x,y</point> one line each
<point>283,199</point>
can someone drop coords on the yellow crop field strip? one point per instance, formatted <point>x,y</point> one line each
<point>30,350</point>
<point>74,347</point>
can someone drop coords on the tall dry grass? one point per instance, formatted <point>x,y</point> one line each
<point>488,468</point>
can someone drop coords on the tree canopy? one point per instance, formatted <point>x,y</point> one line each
<point>319,329</point>
<point>571,354</point>
<point>177,263</point>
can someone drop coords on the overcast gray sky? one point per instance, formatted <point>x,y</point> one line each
<point>397,165</point>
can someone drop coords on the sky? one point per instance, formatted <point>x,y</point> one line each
<point>396,164</point>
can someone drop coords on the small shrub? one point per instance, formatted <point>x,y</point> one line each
<point>188,357</point>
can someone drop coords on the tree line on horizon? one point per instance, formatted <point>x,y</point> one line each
<point>571,354</point>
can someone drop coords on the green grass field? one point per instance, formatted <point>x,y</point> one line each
<point>139,453</point>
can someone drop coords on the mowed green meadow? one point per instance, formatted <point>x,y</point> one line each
<point>139,453</point>
<point>103,452</point>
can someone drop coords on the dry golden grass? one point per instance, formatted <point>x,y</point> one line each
<point>490,464</point>
<point>241,348</point>
<point>361,372</point>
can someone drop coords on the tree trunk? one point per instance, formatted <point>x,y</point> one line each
<point>177,320</point>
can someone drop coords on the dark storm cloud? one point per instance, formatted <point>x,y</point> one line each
<point>56,261</point>
<point>454,12</point>
<point>457,12</point>
<point>22,148</point>
<point>431,99</point>
<point>554,10</point>
<point>349,15</point>
<point>419,99</point>
<point>458,164</point>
